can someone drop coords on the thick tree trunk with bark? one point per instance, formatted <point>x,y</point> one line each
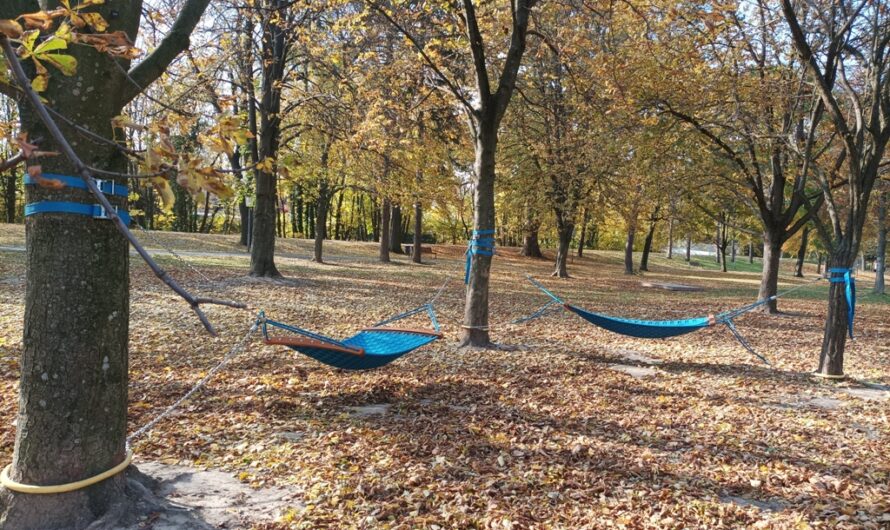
<point>72,409</point>
<point>769,279</point>
<point>385,226</point>
<point>475,332</point>
<point>395,230</point>
<point>834,339</point>
<point>802,253</point>
<point>417,257</point>
<point>531,248</point>
<point>564,231</point>
<point>274,55</point>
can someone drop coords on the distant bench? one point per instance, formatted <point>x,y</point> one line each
<point>409,249</point>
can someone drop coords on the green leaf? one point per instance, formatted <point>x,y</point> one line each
<point>51,44</point>
<point>67,64</point>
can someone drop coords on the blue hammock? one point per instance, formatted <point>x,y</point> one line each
<point>644,329</point>
<point>661,329</point>
<point>369,348</point>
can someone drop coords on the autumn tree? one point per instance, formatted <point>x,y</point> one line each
<point>72,417</point>
<point>482,100</point>
<point>733,84</point>
<point>843,47</point>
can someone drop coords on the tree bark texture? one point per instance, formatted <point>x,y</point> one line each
<point>385,227</point>
<point>802,253</point>
<point>417,257</point>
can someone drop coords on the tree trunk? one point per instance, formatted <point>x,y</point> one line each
<point>647,246</point>
<point>688,248</point>
<point>72,406</point>
<point>322,203</point>
<point>9,198</point>
<point>629,248</point>
<point>565,230</point>
<point>531,248</point>
<point>582,238</point>
<point>475,331</point>
<point>418,233</point>
<point>206,214</point>
<point>802,252</point>
<point>670,251</point>
<point>395,230</point>
<point>274,50</point>
<point>881,254</point>
<point>385,226</point>
<point>834,340</point>
<point>243,213</point>
<point>750,252</point>
<point>734,250</point>
<point>819,265</point>
<point>769,279</point>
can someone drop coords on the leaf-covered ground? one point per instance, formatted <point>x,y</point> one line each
<point>552,434</point>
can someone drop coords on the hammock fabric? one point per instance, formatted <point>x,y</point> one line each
<point>659,329</point>
<point>644,329</point>
<point>369,348</point>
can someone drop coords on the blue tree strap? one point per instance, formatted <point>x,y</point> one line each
<point>481,244</point>
<point>849,292</point>
<point>96,211</point>
<point>108,187</point>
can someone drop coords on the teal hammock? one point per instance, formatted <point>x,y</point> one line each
<point>662,329</point>
<point>369,348</point>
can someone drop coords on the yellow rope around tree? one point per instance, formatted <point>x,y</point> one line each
<point>62,488</point>
<point>10,484</point>
<point>830,377</point>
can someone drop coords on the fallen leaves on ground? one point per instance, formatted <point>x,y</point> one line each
<point>544,436</point>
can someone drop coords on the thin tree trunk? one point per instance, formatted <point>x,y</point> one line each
<point>243,213</point>
<point>647,243</point>
<point>582,238</point>
<point>802,252</point>
<point>670,251</point>
<point>321,221</point>
<point>418,233</point>
<point>688,248</point>
<point>750,252</point>
<point>819,265</point>
<point>385,225</point>
<point>881,254</point>
<point>734,246</point>
<point>629,248</point>
<point>9,198</point>
<point>206,212</point>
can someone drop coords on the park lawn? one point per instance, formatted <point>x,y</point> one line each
<point>549,434</point>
